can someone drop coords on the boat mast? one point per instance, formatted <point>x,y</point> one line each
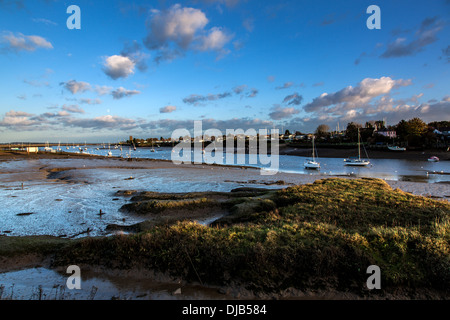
<point>313,149</point>
<point>359,148</point>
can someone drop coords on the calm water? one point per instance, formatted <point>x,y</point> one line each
<point>389,169</point>
<point>45,284</point>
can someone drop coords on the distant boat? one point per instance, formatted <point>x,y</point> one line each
<point>312,164</point>
<point>433,159</point>
<point>396,148</point>
<point>152,150</point>
<point>48,148</point>
<point>353,161</point>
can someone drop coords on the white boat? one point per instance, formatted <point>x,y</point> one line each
<point>356,162</point>
<point>396,148</point>
<point>353,161</point>
<point>433,159</point>
<point>312,164</point>
<point>47,148</point>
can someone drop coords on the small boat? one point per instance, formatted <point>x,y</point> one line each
<point>47,147</point>
<point>433,159</point>
<point>312,164</point>
<point>353,161</point>
<point>396,148</point>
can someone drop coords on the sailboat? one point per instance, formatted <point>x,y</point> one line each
<point>396,148</point>
<point>153,149</point>
<point>47,147</point>
<point>353,161</point>
<point>312,164</point>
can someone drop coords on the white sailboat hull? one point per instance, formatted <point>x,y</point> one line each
<point>312,165</point>
<point>357,163</point>
<point>396,148</point>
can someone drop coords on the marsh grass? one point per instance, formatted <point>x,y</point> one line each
<point>37,245</point>
<point>320,235</point>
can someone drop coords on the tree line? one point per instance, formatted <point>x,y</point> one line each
<point>409,133</point>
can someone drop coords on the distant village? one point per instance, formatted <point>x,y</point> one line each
<point>414,134</point>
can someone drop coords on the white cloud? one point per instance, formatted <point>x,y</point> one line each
<point>118,67</point>
<point>168,109</point>
<point>293,99</point>
<point>72,109</point>
<point>103,90</point>
<point>279,113</point>
<point>45,21</point>
<point>20,42</point>
<point>215,40</point>
<point>76,86</point>
<point>17,119</point>
<point>354,97</point>
<point>102,122</point>
<point>121,92</point>
<point>173,31</point>
<point>423,37</point>
<point>177,24</point>
<point>90,101</point>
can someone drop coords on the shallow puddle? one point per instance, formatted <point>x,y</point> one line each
<point>46,284</point>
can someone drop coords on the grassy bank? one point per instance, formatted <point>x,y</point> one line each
<point>317,236</point>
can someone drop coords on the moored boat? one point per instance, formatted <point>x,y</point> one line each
<point>353,161</point>
<point>396,148</point>
<point>433,159</point>
<point>312,164</point>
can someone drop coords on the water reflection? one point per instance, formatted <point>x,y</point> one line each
<point>47,284</point>
<point>388,169</point>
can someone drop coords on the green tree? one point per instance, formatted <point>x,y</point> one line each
<point>439,124</point>
<point>412,132</point>
<point>416,127</point>
<point>352,131</point>
<point>322,130</point>
<point>402,130</point>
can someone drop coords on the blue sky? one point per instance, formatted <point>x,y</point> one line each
<point>146,68</point>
